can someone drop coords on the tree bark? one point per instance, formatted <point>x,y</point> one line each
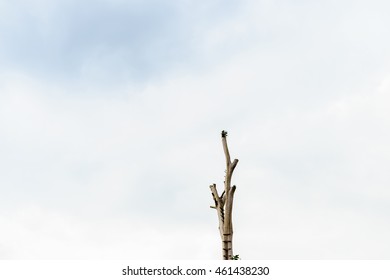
<point>224,204</point>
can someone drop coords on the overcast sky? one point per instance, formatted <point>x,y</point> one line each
<point>110,121</point>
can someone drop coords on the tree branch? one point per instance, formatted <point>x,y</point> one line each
<point>228,227</point>
<point>225,148</point>
<point>224,203</point>
<point>233,165</point>
<point>219,208</point>
<point>214,193</point>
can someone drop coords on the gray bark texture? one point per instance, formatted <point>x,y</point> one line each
<point>224,204</point>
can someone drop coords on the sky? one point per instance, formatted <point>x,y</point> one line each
<point>111,113</point>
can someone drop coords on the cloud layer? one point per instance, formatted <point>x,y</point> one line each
<point>110,115</point>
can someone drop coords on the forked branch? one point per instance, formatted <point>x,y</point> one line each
<point>224,203</point>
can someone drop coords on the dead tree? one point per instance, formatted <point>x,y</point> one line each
<point>224,204</point>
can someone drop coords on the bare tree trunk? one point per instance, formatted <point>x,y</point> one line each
<point>224,204</point>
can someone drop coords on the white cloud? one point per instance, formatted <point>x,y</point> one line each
<point>97,169</point>
<point>35,232</point>
<point>312,176</point>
